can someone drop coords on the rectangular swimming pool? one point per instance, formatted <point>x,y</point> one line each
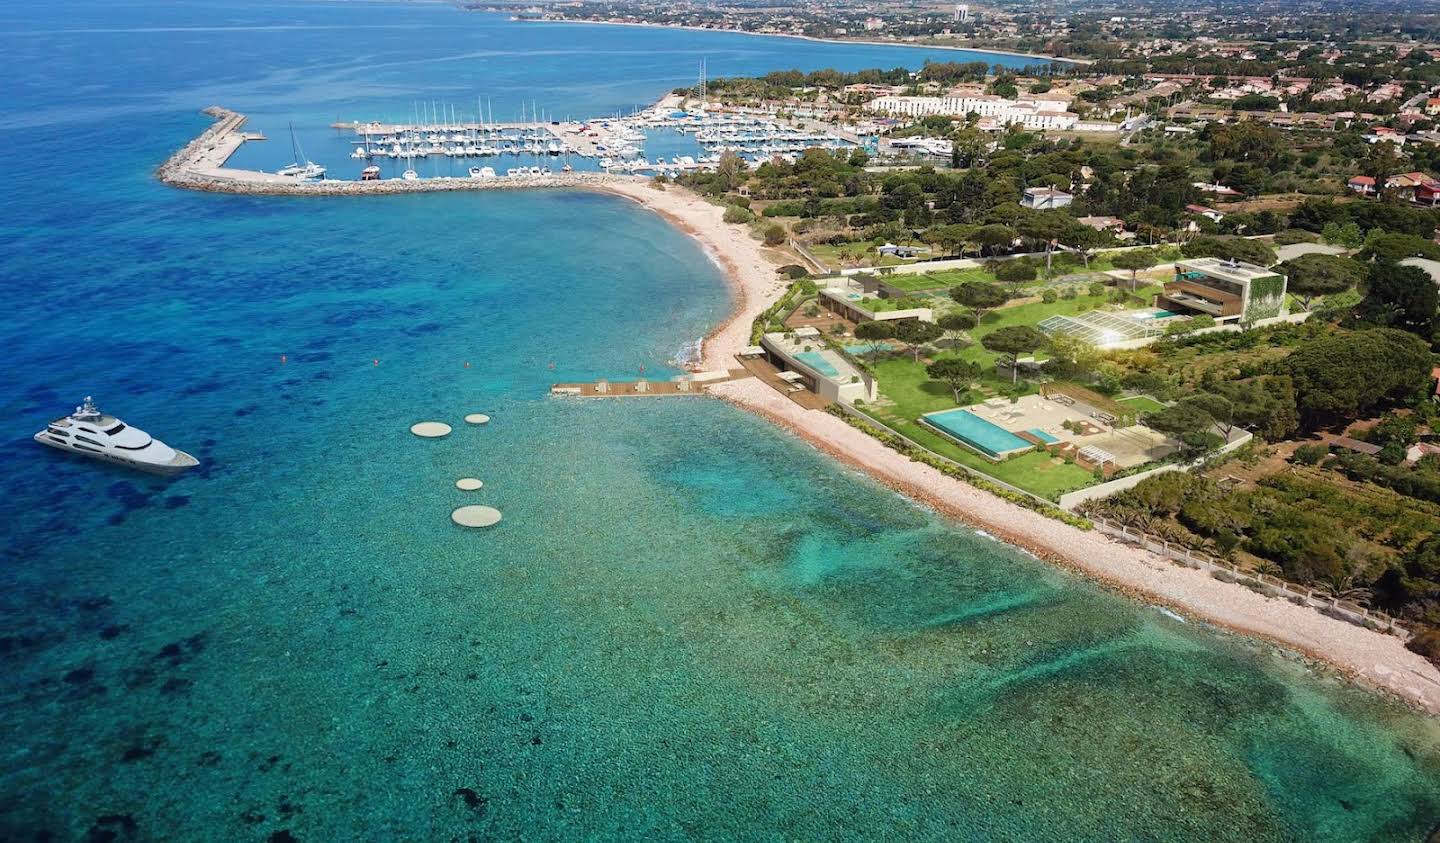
<point>1042,436</point>
<point>868,348</point>
<point>972,431</point>
<point>816,361</point>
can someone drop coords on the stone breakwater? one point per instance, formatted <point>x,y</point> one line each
<point>200,165</point>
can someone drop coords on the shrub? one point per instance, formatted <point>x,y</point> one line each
<point>1291,236</point>
<point>1097,288</point>
<point>774,235</point>
<point>1426,643</point>
<point>738,215</point>
<point>1310,454</point>
<point>1049,296</point>
<point>791,208</point>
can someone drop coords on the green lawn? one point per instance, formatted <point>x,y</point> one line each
<point>878,305</point>
<point>1039,474</point>
<point>904,381</point>
<point>910,394</point>
<point>912,283</point>
<point>1033,314</point>
<point>945,278</point>
<point>1143,403</point>
<point>830,255</point>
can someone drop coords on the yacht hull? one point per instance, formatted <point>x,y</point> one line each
<point>179,463</point>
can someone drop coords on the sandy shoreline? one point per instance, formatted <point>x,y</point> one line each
<point>987,50</point>
<point>750,271</point>
<point>1378,660</point>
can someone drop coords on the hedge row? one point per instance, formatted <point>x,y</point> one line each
<point>800,288</point>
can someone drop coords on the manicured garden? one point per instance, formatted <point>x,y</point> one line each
<point>907,392</point>
<point>1033,313</point>
<point>1143,403</point>
<point>1035,472</point>
<point>860,253</point>
<point>942,280</point>
<point>879,305</point>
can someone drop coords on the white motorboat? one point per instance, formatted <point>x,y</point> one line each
<point>91,433</point>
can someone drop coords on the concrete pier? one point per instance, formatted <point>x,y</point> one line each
<point>200,165</point>
<point>688,385</point>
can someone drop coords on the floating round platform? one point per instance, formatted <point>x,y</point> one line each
<point>430,430</point>
<point>476,516</point>
<point>468,484</point>
<point>477,418</point>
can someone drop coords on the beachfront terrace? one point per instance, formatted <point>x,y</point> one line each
<point>805,361</point>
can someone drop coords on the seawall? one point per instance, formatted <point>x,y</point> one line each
<point>200,165</point>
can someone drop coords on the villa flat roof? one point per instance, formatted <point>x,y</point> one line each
<point>1237,271</point>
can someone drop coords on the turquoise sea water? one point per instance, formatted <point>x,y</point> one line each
<point>687,626</point>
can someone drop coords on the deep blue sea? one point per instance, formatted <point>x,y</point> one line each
<point>688,626</point>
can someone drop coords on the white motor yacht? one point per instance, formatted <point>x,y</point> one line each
<point>91,433</point>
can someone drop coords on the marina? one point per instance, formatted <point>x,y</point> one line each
<point>492,155</point>
<point>201,165</point>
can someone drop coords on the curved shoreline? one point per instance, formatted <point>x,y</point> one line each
<point>812,38</point>
<point>1370,658</point>
<point>747,269</point>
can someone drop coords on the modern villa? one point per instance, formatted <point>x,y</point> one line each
<point>803,360</point>
<point>847,298</point>
<point>1228,290</point>
<point>1046,198</point>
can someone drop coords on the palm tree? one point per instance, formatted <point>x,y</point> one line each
<point>1341,587</point>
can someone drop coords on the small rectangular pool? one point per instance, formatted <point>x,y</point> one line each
<point>1042,436</point>
<point>817,361</point>
<point>974,432</point>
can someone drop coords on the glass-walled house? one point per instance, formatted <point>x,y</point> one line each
<point>1228,290</point>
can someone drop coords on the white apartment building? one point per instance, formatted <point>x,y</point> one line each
<point>1032,114</point>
